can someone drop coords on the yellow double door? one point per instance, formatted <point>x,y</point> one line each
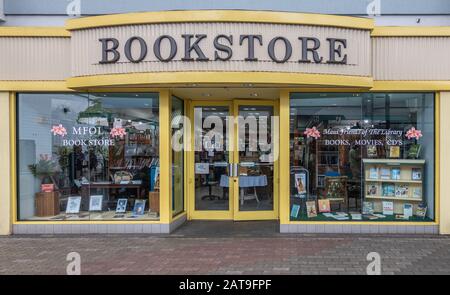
<point>232,162</point>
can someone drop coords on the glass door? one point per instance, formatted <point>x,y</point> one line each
<point>233,160</point>
<point>256,154</point>
<point>211,156</point>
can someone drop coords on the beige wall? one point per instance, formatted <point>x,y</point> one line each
<point>444,163</point>
<point>34,58</point>
<point>384,58</point>
<point>5,188</point>
<point>411,58</point>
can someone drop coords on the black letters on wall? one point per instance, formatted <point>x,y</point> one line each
<point>223,48</point>
<point>251,45</point>
<point>313,49</point>
<point>106,50</point>
<point>223,45</point>
<point>143,47</point>
<point>287,46</point>
<point>188,47</point>
<point>337,51</point>
<point>157,48</point>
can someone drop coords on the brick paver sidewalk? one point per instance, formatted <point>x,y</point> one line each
<point>190,253</point>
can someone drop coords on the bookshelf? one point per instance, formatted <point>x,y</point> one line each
<point>396,180</point>
<point>327,159</point>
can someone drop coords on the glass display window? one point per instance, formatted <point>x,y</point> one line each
<point>362,157</point>
<point>88,156</point>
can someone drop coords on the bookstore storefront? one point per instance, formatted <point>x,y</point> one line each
<point>104,137</point>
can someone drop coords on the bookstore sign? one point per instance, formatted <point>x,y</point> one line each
<point>393,137</point>
<point>79,134</point>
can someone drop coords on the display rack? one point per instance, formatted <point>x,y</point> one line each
<point>396,180</point>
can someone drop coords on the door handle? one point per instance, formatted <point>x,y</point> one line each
<point>233,170</point>
<point>236,169</point>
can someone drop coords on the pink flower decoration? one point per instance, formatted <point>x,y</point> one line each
<point>312,132</point>
<point>59,130</point>
<point>414,133</point>
<point>118,132</point>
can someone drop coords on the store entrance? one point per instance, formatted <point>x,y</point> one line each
<point>233,160</point>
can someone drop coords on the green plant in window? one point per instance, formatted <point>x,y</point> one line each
<point>44,169</point>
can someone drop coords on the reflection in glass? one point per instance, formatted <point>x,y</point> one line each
<point>88,156</point>
<point>356,155</point>
<point>177,159</point>
<point>211,160</point>
<point>256,169</point>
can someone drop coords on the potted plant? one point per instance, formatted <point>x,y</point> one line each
<point>44,169</point>
<point>47,200</point>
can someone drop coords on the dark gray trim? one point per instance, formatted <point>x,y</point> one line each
<point>344,7</point>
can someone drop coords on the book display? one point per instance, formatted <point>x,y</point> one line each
<point>399,182</point>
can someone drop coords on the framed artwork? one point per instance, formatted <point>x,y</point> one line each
<point>324,206</point>
<point>394,152</point>
<point>300,183</point>
<point>201,168</point>
<point>121,205</point>
<point>139,207</point>
<point>311,209</point>
<point>372,151</point>
<point>95,203</point>
<point>388,208</point>
<point>73,205</point>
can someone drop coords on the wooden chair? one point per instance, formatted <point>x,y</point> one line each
<point>336,190</point>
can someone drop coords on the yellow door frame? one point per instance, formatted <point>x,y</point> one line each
<point>255,215</point>
<point>206,214</point>
<point>233,212</point>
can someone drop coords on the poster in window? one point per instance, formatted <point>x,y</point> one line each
<point>73,205</point>
<point>95,203</point>
<point>121,205</point>
<point>139,207</point>
<point>311,209</point>
<point>295,210</point>
<point>324,206</point>
<point>388,208</point>
<point>201,168</point>
<point>300,183</point>
<point>394,152</point>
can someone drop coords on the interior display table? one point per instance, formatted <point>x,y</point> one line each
<point>246,182</point>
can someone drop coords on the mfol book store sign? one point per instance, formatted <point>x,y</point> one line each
<point>88,136</point>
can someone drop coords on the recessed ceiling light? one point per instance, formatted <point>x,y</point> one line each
<point>254,94</point>
<point>206,94</point>
<point>247,85</point>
